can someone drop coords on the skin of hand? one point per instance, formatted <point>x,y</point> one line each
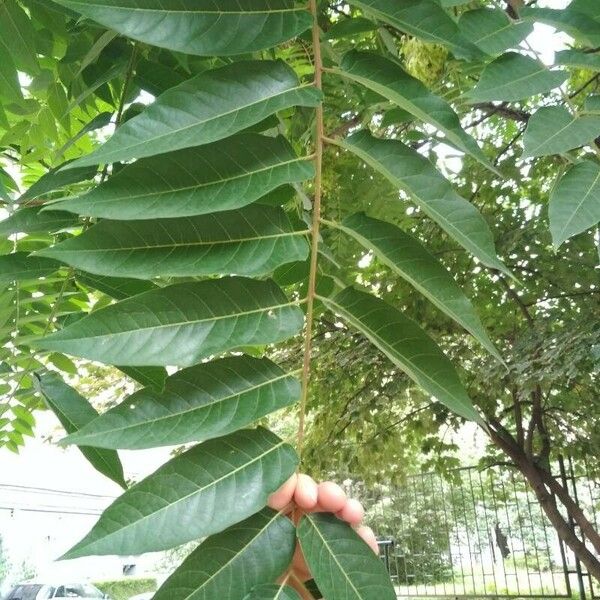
<point>301,494</point>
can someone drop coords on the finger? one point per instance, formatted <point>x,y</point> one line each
<point>306,493</point>
<point>366,533</point>
<point>332,497</point>
<point>353,512</point>
<point>283,496</point>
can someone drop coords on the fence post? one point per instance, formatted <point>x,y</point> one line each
<point>578,571</point>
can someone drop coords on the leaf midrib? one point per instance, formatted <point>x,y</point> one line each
<point>102,250</point>
<point>185,12</point>
<point>200,185</point>
<point>190,322</point>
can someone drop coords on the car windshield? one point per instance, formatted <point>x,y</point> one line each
<point>77,590</point>
<point>24,592</point>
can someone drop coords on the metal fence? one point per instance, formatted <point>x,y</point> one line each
<point>477,534</point>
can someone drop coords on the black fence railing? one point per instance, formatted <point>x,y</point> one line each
<point>477,534</point>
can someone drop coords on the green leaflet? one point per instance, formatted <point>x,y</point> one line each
<point>202,27</point>
<point>228,565</point>
<point>575,202</point>
<point>424,19</point>
<point>31,220</point>
<point>18,36</point>
<point>406,345</point>
<point>412,261</point>
<point>198,403</point>
<point>389,79</point>
<point>55,180</point>
<point>589,8</point>
<point>554,130</point>
<point>491,30</point>
<point>273,591</point>
<point>224,175</point>
<point>343,566</point>
<point>430,190</point>
<point>200,492</point>
<point>74,412</point>
<point>578,59</point>
<point>513,76</point>
<point>181,324</point>
<point>252,241</point>
<point>206,108</point>
<point>10,88</point>
<point>22,267</point>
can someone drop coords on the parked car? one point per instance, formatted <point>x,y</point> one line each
<point>34,590</point>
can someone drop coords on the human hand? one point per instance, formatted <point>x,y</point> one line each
<point>301,494</point>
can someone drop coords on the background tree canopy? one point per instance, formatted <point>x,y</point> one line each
<point>395,202</point>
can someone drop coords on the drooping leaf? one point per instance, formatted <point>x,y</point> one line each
<point>554,130</point>
<point>181,324</point>
<point>18,36</point>
<point>209,107</point>
<point>252,241</point>
<point>491,30</point>
<point>412,261</point>
<point>202,27</point>
<point>577,58</point>
<point>575,202</point>
<point>22,267</point>
<point>55,180</point>
<point>273,591</point>
<point>430,190</point>
<point>389,79</point>
<point>115,287</point>
<point>406,345</point>
<point>198,403</point>
<point>31,220</point>
<point>200,492</point>
<point>221,176</point>
<point>424,19</point>
<point>343,566</point>
<point>74,411</point>
<point>514,76</point>
<point>10,88</point>
<point>231,563</point>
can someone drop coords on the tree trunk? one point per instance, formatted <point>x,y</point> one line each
<point>546,490</point>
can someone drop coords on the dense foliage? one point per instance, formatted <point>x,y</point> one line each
<point>401,204</point>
